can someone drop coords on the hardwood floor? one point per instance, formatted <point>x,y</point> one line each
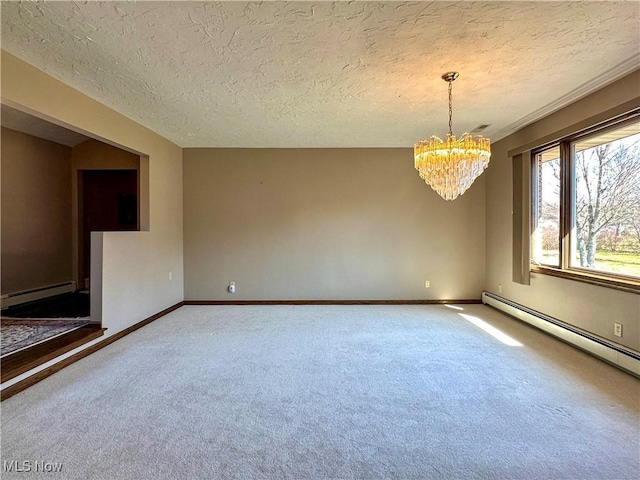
<point>24,360</point>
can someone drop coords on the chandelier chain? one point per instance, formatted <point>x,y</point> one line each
<point>450,108</point>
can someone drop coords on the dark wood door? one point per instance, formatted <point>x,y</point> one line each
<point>109,203</point>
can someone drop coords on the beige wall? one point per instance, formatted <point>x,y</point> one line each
<point>586,306</point>
<point>136,265</point>
<point>95,155</point>
<point>326,224</point>
<point>36,212</point>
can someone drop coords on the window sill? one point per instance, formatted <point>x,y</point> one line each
<point>592,278</point>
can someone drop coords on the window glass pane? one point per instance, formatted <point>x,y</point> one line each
<point>606,212</point>
<point>546,237</point>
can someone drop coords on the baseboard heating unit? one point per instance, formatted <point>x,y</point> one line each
<point>16,298</point>
<point>610,352</point>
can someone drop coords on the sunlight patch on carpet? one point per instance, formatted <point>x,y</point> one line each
<point>491,330</point>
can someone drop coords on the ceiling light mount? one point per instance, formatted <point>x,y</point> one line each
<point>450,76</point>
<point>451,166</point>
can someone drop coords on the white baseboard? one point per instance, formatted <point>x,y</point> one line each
<point>615,354</point>
<point>17,298</point>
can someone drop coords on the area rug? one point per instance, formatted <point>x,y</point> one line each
<point>16,334</point>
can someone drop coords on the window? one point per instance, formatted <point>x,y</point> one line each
<point>546,238</point>
<point>586,205</point>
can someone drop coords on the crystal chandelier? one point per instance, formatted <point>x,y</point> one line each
<point>451,166</point>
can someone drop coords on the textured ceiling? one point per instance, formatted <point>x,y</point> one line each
<point>326,74</point>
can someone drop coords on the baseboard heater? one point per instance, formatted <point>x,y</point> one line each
<point>24,296</point>
<point>610,352</point>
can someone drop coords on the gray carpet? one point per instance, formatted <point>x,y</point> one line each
<point>330,392</point>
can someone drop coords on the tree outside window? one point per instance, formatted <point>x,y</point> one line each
<point>600,217</point>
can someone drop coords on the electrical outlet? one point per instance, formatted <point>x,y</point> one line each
<point>499,288</point>
<point>232,287</point>
<point>617,329</point>
<point>170,275</point>
<point>427,284</point>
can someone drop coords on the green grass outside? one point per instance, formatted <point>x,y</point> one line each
<point>622,263</point>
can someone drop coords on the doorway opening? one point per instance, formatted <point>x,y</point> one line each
<point>108,202</point>
<point>59,186</point>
